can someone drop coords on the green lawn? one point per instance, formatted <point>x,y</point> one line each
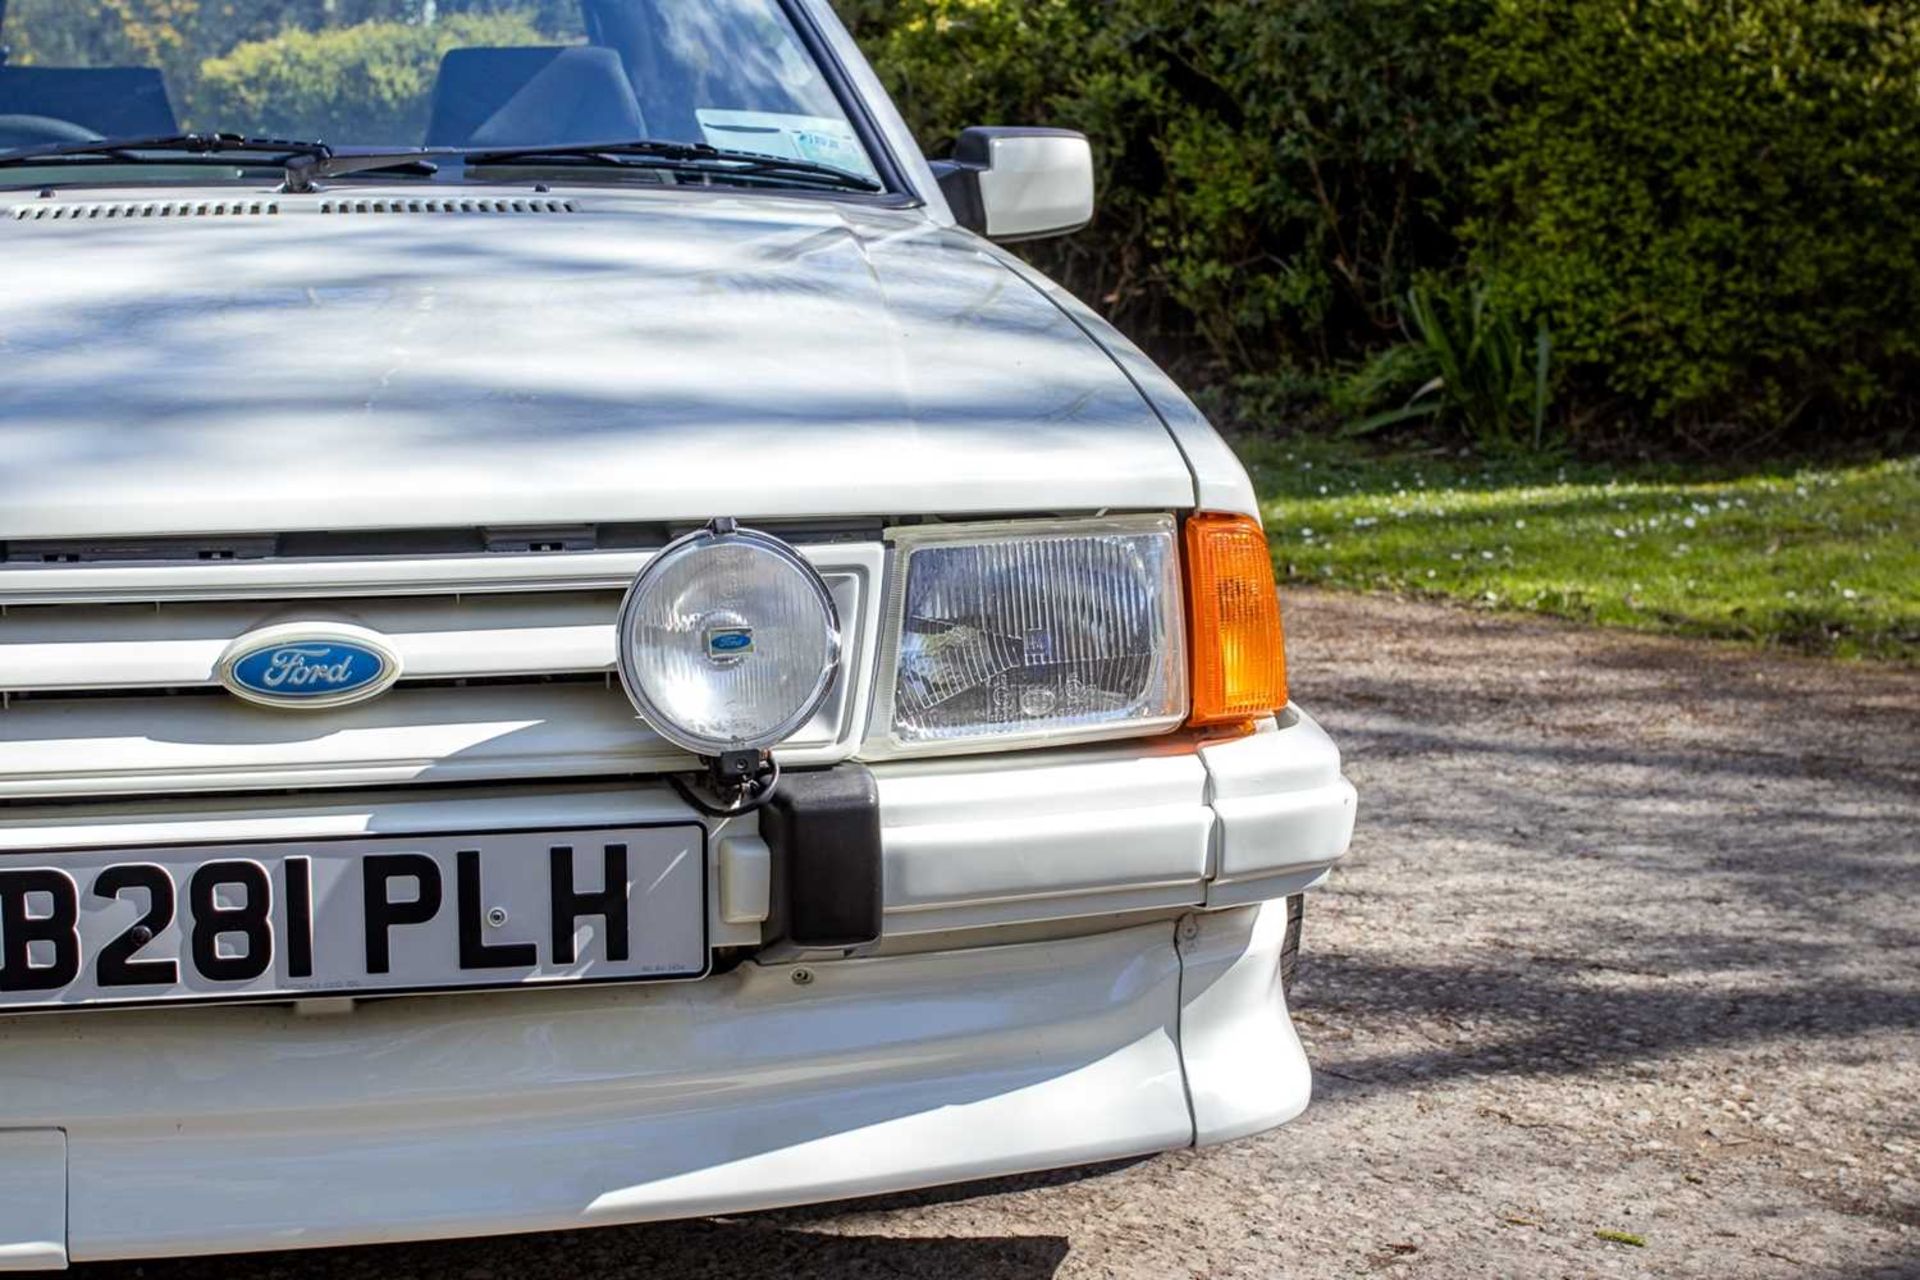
<point>1825,560</point>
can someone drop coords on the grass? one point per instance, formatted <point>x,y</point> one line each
<point>1621,1237</point>
<point>1820,559</point>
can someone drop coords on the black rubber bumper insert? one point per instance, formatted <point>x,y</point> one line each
<point>824,830</point>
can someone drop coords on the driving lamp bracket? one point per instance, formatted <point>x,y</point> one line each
<point>730,784</point>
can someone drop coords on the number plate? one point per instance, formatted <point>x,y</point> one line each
<point>351,917</point>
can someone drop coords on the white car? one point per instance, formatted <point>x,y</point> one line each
<point>596,650</point>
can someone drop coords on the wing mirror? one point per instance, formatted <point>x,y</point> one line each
<point>1019,184</point>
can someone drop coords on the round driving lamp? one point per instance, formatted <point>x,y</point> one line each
<point>729,641</point>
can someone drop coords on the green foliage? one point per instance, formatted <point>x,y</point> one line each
<point>1715,202</point>
<point>1819,559</point>
<point>369,82</point>
<point>1472,365</point>
<point>1270,174</point>
<point>1306,158</point>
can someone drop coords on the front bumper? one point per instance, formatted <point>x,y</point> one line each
<point>1064,978</point>
<point>1164,823</point>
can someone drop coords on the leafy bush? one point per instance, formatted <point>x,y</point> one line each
<point>370,82</point>
<point>1713,204</point>
<point>1275,172</point>
<point>1717,204</point>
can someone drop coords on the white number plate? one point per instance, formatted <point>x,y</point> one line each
<point>351,917</point>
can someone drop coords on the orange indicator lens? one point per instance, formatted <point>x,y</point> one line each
<point>1239,651</point>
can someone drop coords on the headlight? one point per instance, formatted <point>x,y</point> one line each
<point>729,641</point>
<point>1035,631</point>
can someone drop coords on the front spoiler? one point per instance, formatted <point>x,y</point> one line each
<point>243,1129</point>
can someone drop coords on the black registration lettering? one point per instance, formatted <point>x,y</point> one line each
<point>252,921</point>
<point>59,929</point>
<point>570,906</point>
<point>377,873</point>
<point>299,896</point>
<point>117,966</point>
<point>475,953</point>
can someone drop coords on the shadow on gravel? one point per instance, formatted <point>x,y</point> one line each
<point>954,1192</point>
<point>1568,1021</point>
<point>1682,763</point>
<point>730,1249</point>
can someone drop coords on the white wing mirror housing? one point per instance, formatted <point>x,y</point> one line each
<point>1019,184</point>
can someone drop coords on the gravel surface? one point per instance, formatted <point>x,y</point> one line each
<point>1626,945</point>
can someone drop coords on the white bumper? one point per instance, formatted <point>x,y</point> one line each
<point>998,839</point>
<point>209,1130</point>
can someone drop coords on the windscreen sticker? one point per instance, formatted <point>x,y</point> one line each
<point>769,133</point>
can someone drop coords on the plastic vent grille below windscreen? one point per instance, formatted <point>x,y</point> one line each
<point>133,210</point>
<point>461,204</point>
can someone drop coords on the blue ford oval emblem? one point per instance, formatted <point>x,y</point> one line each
<point>730,642</point>
<point>309,667</point>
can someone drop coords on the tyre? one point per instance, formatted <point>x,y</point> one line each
<point>1290,945</point>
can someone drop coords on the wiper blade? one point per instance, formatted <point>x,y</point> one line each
<point>698,157</point>
<point>128,150</point>
<point>302,161</point>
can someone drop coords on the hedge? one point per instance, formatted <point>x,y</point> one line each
<point>1711,206</point>
<point>1718,205</point>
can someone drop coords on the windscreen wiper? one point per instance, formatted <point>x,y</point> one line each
<point>686,157</point>
<point>303,162</point>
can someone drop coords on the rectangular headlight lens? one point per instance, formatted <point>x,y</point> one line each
<point>1036,631</point>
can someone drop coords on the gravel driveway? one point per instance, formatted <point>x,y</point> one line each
<point>1626,945</point>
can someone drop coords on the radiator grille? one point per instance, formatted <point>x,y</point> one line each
<point>109,684</point>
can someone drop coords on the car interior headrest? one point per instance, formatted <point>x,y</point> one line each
<point>112,102</point>
<point>529,96</point>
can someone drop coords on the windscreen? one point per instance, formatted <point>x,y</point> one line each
<point>422,73</point>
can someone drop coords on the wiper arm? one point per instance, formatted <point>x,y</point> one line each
<point>696,157</point>
<point>303,161</point>
<point>303,170</point>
